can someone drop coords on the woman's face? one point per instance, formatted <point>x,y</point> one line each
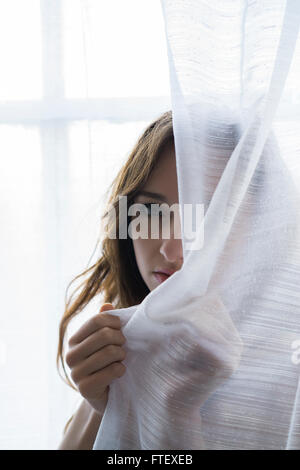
<point>165,253</point>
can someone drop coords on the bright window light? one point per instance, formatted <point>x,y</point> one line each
<point>20,50</point>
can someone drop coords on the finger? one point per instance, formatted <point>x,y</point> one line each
<point>95,342</point>
<point>106,306</point>
<point>95,384</point>
<point>98,361</point>
<point>93,324</point>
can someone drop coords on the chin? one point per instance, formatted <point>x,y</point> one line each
<point>151,286</point>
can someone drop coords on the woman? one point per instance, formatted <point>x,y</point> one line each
<point>126,272</point>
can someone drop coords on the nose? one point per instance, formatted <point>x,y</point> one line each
<point>171,249</point>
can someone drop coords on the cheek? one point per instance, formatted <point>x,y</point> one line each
<point>146,252</point>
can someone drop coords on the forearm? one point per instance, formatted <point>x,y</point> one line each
<point>82,430</point>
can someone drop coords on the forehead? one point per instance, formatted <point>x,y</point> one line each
<point>163,178</point>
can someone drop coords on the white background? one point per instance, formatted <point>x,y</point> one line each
<point>79,82</point>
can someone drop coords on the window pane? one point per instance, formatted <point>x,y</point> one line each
<point>23,410</point>
<point>115,48</point>
<point>20,209</point>
<point>20,50</point>
<point>97,151</point>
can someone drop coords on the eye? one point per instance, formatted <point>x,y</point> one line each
<point>155,211</point>
<point>145,210</point>
<point>148,206</point>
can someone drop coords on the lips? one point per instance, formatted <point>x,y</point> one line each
<point>161,277</point>
<point>163,274</point>
<point>168,272</point>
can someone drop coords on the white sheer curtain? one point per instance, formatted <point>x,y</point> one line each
<point>79,80</point>
<point>213,353</point>
<point>78,83</point>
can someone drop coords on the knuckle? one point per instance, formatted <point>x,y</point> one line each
<point>123,339</point>
<point>117,352</point>
<point>122,353</point>
<point>118,368</point>
<point>74,376</point>
<point>113,319</point>
<point>98,320</point>
<point>69,359</point>
<point>71,341</point>
<point>112,350</point>
<point>106,333</point>
<point>83,388</point>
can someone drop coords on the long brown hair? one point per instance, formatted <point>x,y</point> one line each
<point>116,274</point>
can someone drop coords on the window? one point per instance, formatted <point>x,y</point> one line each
<point>79,81</point>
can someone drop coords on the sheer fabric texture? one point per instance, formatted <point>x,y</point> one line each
<point>212,358</point>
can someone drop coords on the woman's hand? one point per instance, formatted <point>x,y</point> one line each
<point>94,357</point>
<point>183,371</point>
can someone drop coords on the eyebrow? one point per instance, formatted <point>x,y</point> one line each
<point>158,196</point>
